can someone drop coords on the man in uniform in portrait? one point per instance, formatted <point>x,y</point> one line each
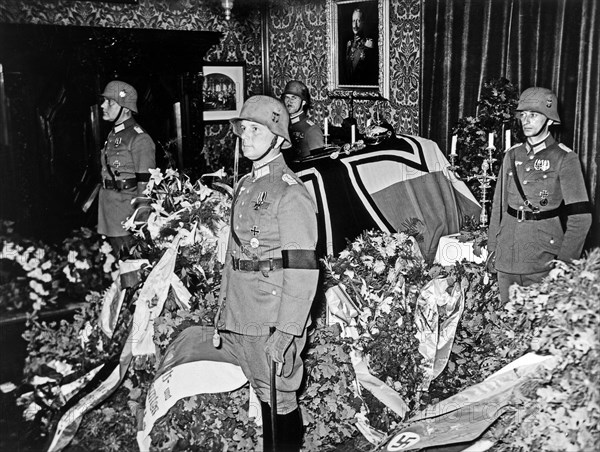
<point>361,64</point>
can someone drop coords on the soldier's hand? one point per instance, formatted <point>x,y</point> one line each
<point>490,263</point>
<point>277,345</point>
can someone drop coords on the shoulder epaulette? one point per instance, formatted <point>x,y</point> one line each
<point>513,146</point>
<point>309,122</point>
<point>138,129</point>
<point>289,179</point>
<point>565,148</point>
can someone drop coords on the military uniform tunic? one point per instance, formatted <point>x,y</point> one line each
<point>305,134</point>
<point>361,61</point>
<point>549,176</point>
<point>272,212</point>
<point>128,150</point>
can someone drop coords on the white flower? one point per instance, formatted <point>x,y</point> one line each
<point>386,305</point>
<point>37,380</point>
<point>30,412</point>
<point>82,265</point>
<point>85,333</point>
<point>110,259</point>
<point>171,173</point>
<point>399,322</point>
<point>8,251</point>
<point>72,256</point>
<point>67,272</point>
<point>379,266</point>
<point>36,273</point>
<point>46,265</point>
<point>204,192</point>
<point>106,248</point>
<point>61,367</point>
<point>39,288</point>
<point>344,255</point>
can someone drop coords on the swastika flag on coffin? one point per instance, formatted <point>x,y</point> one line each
<point>383,186</point>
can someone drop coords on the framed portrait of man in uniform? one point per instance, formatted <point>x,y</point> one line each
<point>358,33</point>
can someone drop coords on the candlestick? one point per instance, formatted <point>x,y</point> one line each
<point>507,138</point>
<point>326,126</point>
<point>453,147</point>
<point>491,140</point>
<point>353,134</point>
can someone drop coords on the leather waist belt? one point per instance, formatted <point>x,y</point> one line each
<point>119,184</point>
<point>529,215</point>
<point>256,265</point>
<point>299,259</point>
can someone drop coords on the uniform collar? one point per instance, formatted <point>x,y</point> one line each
<point>127,123</point>
<point>267,167</point>
<point>538,147</point>
<point>297,117</point>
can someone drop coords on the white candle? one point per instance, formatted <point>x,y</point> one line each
<point>491,140</point>
<point>453,147</point>
<point>507,138</point>
<point>353,134</point>
<point>326,126</point>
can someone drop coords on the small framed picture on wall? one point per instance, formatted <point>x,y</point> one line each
<point>223,90</point>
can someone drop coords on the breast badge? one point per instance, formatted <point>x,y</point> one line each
<point>541,165</point>
<point>544,198</point>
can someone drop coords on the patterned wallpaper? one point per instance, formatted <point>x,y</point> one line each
<point>297,33</point>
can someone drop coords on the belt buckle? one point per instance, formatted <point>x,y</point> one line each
<point>520,215</point>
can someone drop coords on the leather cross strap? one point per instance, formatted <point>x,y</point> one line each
<point>518,184</point>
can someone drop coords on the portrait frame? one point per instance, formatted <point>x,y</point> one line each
<point>340,35</point>
<point>219,103</point>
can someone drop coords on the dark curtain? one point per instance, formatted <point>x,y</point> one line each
<point>549,43</point>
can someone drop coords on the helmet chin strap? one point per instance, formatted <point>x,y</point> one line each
<point>543,128</point>
<point>119,115</point>
<point>269,149</point>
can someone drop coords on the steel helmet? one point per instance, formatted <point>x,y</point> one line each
<point>540,100</point>
<point>122,93</point>
<point>298,89</point>
<point>269,112</point>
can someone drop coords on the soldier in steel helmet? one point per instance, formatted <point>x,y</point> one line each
<point>127,156</point>
<point>541,211</point>
<point>305,134</point>
<point>270,273</point>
